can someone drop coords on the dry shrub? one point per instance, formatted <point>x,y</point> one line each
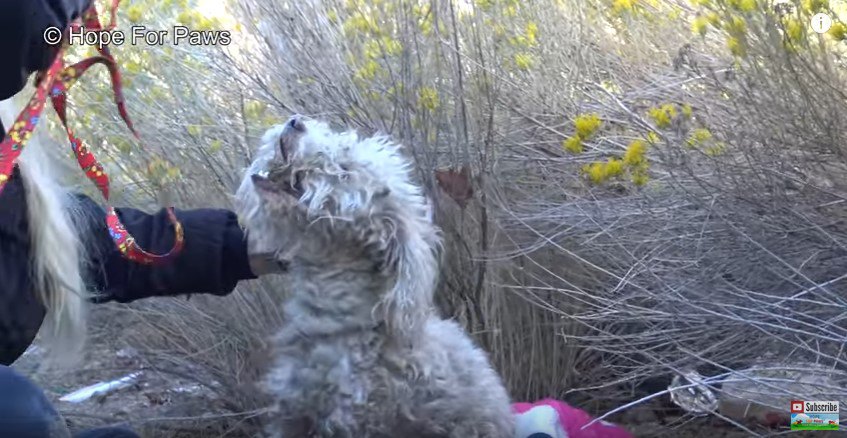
<point>220,344</point>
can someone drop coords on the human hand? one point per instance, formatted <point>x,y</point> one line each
<point>266,263</point>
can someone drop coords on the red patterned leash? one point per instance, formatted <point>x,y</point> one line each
<point>55,84</point>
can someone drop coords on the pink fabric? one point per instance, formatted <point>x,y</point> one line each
<point>573,419</point>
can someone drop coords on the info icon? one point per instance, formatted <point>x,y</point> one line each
<point>796,407</point>
<point>821,23</point>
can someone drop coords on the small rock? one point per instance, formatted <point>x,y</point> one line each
<point>690,392</point>
<point>127,353</point>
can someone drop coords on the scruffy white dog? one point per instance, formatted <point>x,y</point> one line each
<point>362,352</point>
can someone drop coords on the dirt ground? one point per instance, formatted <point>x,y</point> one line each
<point>156,404</point>
<point>169,405</point>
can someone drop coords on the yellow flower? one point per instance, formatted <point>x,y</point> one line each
<point>596,172</point>
<point>599,172</point>
<point>736,47</point>
<point>361,24</point>
<point>640,178</point>
<point>687,111</point>
<point>652,137</point>
<point>123,145</point>
<point>531,32</point>
<point>663,115</point>
<point>215,146</point>
<point>743,5</point>
<point>700,25</point>
<point>573,144</point>
<point>670,109</point>
<point>635,153</point>
<point>427,25</point>
<point>838,31</point>
<point>736,26</point>
<point>812,6</point>
<point>207,24</point>
<point>675,14</point>
<point>483,4</point>
<point>372,50</point>
<point>614,167</point>
<point>610,86</point>
<point>714,19</point>
<point>586,125</point>
<point>369,70</point>
<point>173,173</point>
<point>747,5</point>
<point>523,61</point>
<point>428,98</point>
<point>699,136</point>
<point>187,18</point>
<point>134,13</point>
<point>715,150</point>
<point>620,6</point>
<point>132,67</point>
<point>794,30</point>
<point>392,46</point>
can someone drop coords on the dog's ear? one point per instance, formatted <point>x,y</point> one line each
<point>265,188</point>
<point>270,191</point>
<point>411,253</point>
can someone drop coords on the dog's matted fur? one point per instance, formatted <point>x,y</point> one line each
<point>362,352</point>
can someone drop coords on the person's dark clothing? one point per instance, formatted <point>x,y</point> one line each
<point>213,260</point>
<point>25,412</point>
<point>107,432</point>
<point>22,45</point>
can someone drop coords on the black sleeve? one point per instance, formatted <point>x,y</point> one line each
<point>22,46</point>
<point>213,260</point>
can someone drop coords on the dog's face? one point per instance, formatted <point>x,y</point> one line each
<point>332,194</point>
<point>339,202</point>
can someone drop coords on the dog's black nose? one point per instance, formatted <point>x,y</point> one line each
<point>294,126</point>
<point>296,123</point>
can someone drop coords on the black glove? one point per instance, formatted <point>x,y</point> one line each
<point>22,45</point>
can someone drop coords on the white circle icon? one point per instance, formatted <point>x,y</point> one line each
<point>821,23</point>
